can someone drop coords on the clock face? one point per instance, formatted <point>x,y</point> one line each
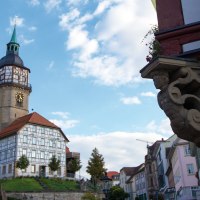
<point>19,97</point>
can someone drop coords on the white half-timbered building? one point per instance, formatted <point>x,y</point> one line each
<point>22,133</point>
<point>37,138</point>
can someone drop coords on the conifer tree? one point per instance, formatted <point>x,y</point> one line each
<point>96,166</point>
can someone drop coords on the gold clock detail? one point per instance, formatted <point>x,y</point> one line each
<point>19,97</point>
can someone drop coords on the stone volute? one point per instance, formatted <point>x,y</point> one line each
<point>179,82</point>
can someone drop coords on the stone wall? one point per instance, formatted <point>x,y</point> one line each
<point>50,196</point>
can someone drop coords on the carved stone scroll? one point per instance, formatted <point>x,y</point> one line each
<point>179,96</point>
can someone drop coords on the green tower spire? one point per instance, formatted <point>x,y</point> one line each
<point>14,37</point>
<point>13,46</point>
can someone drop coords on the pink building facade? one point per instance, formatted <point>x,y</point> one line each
<point>184,169</point>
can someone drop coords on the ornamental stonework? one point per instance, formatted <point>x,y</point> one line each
<point>179,96</point>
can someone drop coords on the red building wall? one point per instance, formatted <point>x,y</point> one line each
<point>169,14</point>
<point>173,33</point>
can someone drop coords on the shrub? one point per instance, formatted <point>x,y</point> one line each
<point>89,196</point>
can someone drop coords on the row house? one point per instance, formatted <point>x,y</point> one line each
<point>37,138</point>
<point>170,170</point>
<point>184,169</point>
<point>156,166</point>
<point>114,176</point>
<point>125,174</point>
<point>135,183</point>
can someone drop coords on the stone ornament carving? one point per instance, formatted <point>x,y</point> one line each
<point>179,98</point>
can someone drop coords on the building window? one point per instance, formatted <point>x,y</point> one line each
<point>187,150</point>
<point>50,143</point>
<point>191,46</point>
<point>50,155</point>
<point>42,154</point>
<point>59,172</point>
<point>59,156</point>
<point>33,140</point>
<point>10,168</point>
<point>33,154</point>
<point>4,170</point>
<point>24,152</point>
<point>150,171</point>
<point>42,130</point>
<point>191,11</point>
<point>32,168</point>
<point>190,169</point>
<point>58,144</point>
<point>42,141</point>
<point>3,155</point>
<point>151,182</point>
<point>25,139</point>
<point>9,154</point>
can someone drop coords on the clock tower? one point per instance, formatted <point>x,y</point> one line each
<point>14,84</point>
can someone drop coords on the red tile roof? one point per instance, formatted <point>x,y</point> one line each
<point>111,173</point>
<point>32,118</point>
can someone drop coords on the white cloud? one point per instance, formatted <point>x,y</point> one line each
<point>76,2</point>
<point>32,28</point>
<point>102,6</point>
<point>148,94</point>
<point>52,4</point>
<point>51,65</point>
<point>110,51</point>
<point>34,2</point>
<point>67,18</point>
<point>77,38</point>
<point>117,148</point>
<point>64,122</point>
<point>64,115</point>
<point>163,127</point>
<point>130,100</point>
<point>19,21</point>
<point>25,41</point>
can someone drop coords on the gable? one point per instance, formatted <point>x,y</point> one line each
<point>34,119</point>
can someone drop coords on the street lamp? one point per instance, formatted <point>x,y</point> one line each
<point>106,185</point>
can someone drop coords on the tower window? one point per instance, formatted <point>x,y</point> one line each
<point>12,48</point>
<point>15,48</point>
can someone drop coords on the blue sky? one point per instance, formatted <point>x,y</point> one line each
<point>85,57</point>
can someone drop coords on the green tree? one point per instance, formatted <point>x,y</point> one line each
<point>96,166</point>
<point>22,163</point>
<point>54,163</point>
<point>117,193</point>
<point>74,165</point>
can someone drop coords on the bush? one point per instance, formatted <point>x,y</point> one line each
<point>89,196</point>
